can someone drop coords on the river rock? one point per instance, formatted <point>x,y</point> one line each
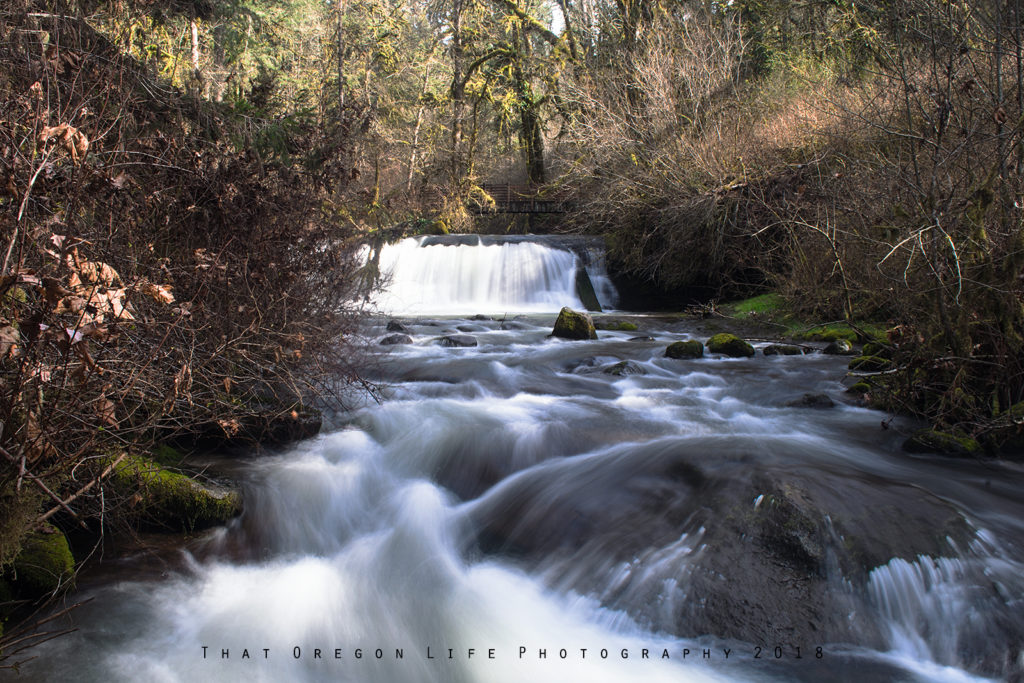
<point>812,401</point>
<point>685,349</point>
<point>839,347</point>
<point>782,350</point>
<point>393,339</point>
<point>574,325</point>
<point>513,325</point>
<point>457,340</point>
<point>170,500</point>
<point>729,345</point>
<point>44,564</point>
<point>585,290</point>
<point>782,540</point>
<point>942,443</point>
<point>624,368</point>
<point>395,326</point>
<point>874,348</point>
<point>643,338</point>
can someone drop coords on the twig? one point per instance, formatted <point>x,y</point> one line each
<point>71,498</point>
<point>39,482</point>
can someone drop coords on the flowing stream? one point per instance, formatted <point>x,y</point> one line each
<point>533,509</point>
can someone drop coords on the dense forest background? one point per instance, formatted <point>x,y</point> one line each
<point>183,187</point>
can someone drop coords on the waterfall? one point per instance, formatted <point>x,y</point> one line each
<point>490,275</point>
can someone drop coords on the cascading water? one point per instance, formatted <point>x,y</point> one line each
<point>530,509</point>
<point>429,276</point>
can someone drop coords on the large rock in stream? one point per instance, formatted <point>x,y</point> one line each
<point>164,499</point>
<point>761,555</point>
<point>574,325</point>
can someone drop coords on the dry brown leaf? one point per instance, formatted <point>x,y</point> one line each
<point>37,447</point>
<point>230,427</point>
<point>160,293</point>
<point>227,385</point>
<point>74,141</point>
<point>71,304</point>
<point>82,347</point>
<point>54,291</point>
<point>106,411</point>
<point>9,339</point>
<point>96,331</point>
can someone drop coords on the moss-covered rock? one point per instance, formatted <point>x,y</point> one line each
<point>869,364</point>
<point>859,389</point>
<point>782,350</point>
<point>685,349</point>
<point>729,345</point>
<point>624,368</point>
<point>44,565</point>
<point>166,499</point>
<point>839,347</point>
<point>943,443</point>
<point>574,325</point>
<point>873,348</point>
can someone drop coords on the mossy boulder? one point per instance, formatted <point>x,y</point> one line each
<point>859,389</point>
<point>873,348</point>
<point>943,443</point>
<point>685,349</point>
<point>44,565</point>
<point>729,345</point>
<point>171,500</point>
<point>782,350</point>
<point>574,325</point>
<point>870,364</point>
<point>839,347</point>
<point>624,368</point>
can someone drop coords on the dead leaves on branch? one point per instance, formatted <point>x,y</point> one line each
<point>67,137</point>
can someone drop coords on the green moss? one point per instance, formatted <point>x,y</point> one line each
<point>869,364</point>
<point>685,349</point>
<point>944,443</point>
<point>782,350</point>
<point>170,499</point>
<point>574,325</point>
<point>730,345</point>
<point>860,388</point>
<point>45,563</point>
<point>830,333</point>
<point>762,304</point>
<point>873,348</point>
<point>165,455</point>
<point>864,332</point>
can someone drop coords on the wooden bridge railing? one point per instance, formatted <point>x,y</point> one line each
<point>509,198</point>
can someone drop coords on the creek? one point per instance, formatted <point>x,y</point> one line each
<point>534,509</point>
